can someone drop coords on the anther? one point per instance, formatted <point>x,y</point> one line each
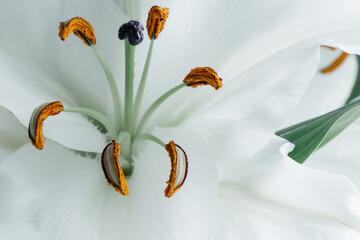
<point>332,48</point>
<point>133,30</point>
<point>156,21</point>
<point>80,27</point>
<point>336,64</point>
<point>112,169</point>
<point>40,113</point>
<point>179,168</point>
<point>203,76</point>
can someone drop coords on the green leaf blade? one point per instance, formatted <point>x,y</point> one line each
<point>310,135</point>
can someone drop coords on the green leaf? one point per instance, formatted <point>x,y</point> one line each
<point>356,88</point>
<point>312,134</point>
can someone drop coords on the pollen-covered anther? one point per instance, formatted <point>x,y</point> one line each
<point>203,76</point>
<point>179,168</point>
<point>80,27</point>
<point>156,21</point>
<point>336,64</point>
<point>112,169</point>
<point>38,116</point>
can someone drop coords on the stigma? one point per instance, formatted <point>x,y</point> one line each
<point>133,30</point>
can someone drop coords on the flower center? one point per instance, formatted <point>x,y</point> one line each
<point>127,126</point>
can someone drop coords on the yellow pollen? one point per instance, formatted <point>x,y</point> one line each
<point>332,48</point>
<point>175,182</point>
<point>203,76</point>
<point>156,21</point>
<point>337,63</point>
<point>80,27</point>
<point>38,118</point>
<point>110,164</point>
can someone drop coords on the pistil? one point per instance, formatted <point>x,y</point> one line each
<point>132,32</point>
<point>129,83</point>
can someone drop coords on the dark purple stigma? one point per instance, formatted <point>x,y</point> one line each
<point>133,30</point>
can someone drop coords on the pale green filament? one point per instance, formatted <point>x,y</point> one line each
<point>129,83</point>
<point>95,115</point>
<point>151,138</point>
<point>140,91</point>
<point>124,139</point>
<point>122,136</point>
<point>113,88</point>
<point>155,105</point>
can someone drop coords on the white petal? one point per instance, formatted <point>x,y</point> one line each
<point>238,37</point>
<point>36,66</point>
<point>341,155</point>
<point>265,70</point>
<point>245,216</point>
<point>59,195</point>
<point>12,133</point>
<point>326,92</point>
<point>276,198</point>
<point>243,122</point>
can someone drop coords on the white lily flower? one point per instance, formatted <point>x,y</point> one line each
<point>240,184</point>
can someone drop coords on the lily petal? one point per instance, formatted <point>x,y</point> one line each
<point>56,184</point>
<point>36,66</point>
<point>341,155</point>
<point>234,48</point>
<point>12,133</point>
<point>242,123</point>
<point>287,200</point>
<point>325,92</point>
<point>264,77</point>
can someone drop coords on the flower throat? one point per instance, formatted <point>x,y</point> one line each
<point>126,126</point>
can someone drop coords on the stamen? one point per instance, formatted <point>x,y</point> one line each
<point>80,27</point>
<point>337,63</point>
<point>133,30</point>
<point>150,137</point>
<point>95,115</point>
<point>203,76</point>
<point>38,116</point>
<point>112,170</point>
<point>332,48</point>
<point>113,87</point>
<point>156,21</point>
<point>155,106</point>
<point>179,168</point>
<point>141,88</point>
<point>124,138</point>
